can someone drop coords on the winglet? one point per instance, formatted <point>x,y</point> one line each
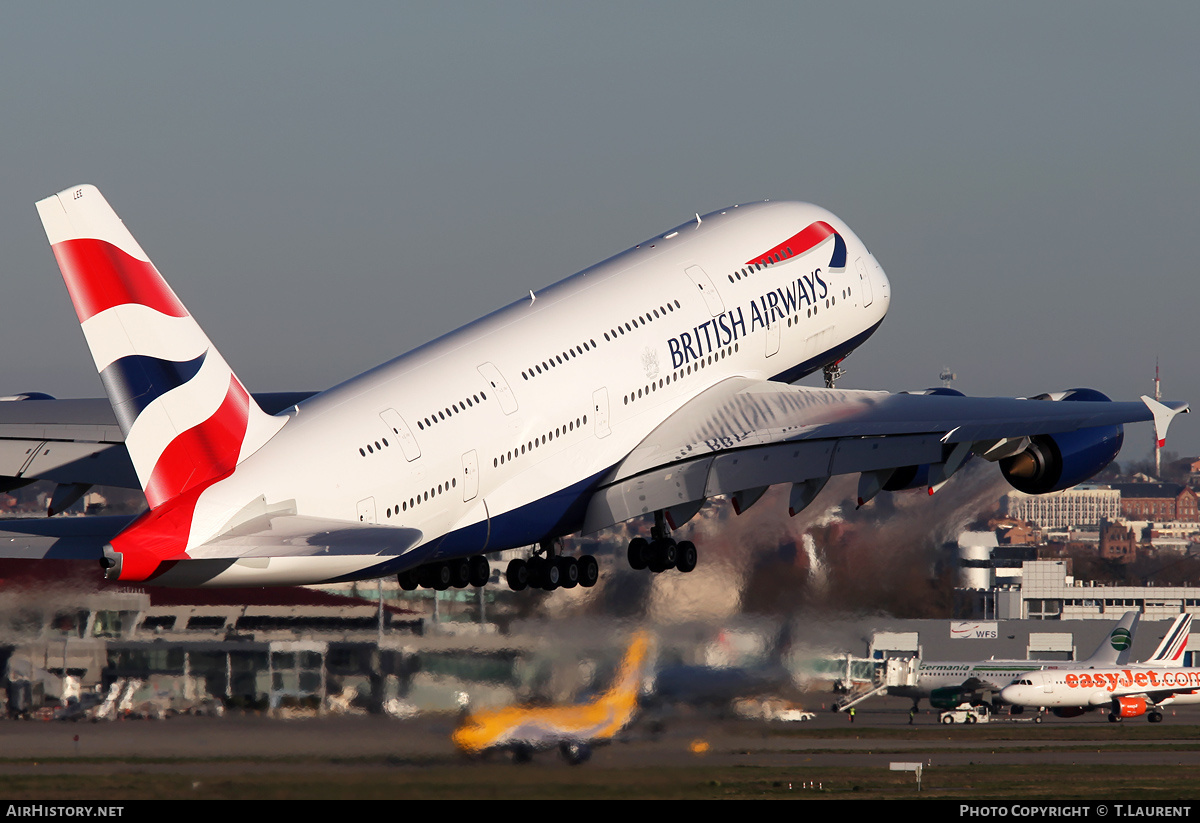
<point>1163,415</point>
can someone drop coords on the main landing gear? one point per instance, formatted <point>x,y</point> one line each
<point>548,571</point>
<point>457,573</point>
<point>661,552</point>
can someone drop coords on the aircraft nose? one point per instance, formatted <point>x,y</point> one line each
<point>882,286</point>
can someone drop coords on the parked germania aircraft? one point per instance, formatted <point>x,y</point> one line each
<point>1127,691</point>
<point>522,730</point>
<point>642,386</point>
<point>948,684</point>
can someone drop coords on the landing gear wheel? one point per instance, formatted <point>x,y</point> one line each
<point>575,753</point>
<point>460,572</point>
<point>551,575</point>
<point>568,572</point>
<point>537,568</point>
<point>434,576</point>
<point>638,551</point>
<point>481,571</point>
<point>517,575</point>
<point>589,571</point>
<point>1114,718</point>
<point>408,580</point>
<point>662,555</point>
<point>1154,717</point>
<point>685,556</point>
<point>443,576</point>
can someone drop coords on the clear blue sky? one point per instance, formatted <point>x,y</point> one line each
<point>329,185</point>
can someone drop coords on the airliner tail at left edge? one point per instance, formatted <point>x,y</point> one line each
<point>187,419</point>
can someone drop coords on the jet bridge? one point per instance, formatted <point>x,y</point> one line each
<point>890,673</point>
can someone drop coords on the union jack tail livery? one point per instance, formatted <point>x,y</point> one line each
<point>187,419</point>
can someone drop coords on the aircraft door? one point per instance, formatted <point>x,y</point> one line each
<point>712,299</point>
<point>864,282</point>
<point>500,388</point>
<point>470,464</point>
<point>600,412</point>
<point>773,332</point>
<point>366,510</point>
<point>408,443</point>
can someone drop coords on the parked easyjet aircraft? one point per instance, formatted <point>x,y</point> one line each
<point>1128,691</point>
<point>641,386</point>
<point>950,684</point>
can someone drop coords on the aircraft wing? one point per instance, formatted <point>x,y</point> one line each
<point>77,442</point>
<point>744,435</point>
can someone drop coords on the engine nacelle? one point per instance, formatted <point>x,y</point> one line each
<point>1129,706</point>
<point>1053,462</point>
<point>908,477</point>
<point>1069,711</point>
<point>916,477</point>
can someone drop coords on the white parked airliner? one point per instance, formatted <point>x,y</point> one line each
<point>1126,691</point>
<point>642,386</point>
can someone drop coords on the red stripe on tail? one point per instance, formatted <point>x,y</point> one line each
<point>203,452</point>
<point>99,276</point>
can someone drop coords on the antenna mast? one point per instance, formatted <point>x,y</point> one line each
<point>1157,448</point>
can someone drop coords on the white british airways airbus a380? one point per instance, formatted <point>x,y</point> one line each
<point>641,386</point>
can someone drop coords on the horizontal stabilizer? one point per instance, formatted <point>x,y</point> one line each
<point>62,538</point>
<point>291,535</point>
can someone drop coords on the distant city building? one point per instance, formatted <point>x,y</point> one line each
<point>1080,506</point>
<point>1157,502</point>
<point>1042,590</point>
<point>1118,542</point>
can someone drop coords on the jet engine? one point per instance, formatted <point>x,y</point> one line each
<point>917,477</point>
<point>1129,706</point>
<point>908,477</point>
<point>1053,462</point>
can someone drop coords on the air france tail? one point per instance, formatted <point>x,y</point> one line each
<point>188,421</point>
<point>1171,650</point>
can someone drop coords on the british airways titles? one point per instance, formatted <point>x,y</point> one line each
<point>730,326</point>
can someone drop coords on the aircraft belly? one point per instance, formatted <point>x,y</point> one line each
<point>553,515</point>
<point>277,571</point>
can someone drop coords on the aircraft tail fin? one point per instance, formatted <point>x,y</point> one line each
<point>186,417</point>
<point>1171,650</point>
<point>1115,647</point>
<point>622,695</point>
